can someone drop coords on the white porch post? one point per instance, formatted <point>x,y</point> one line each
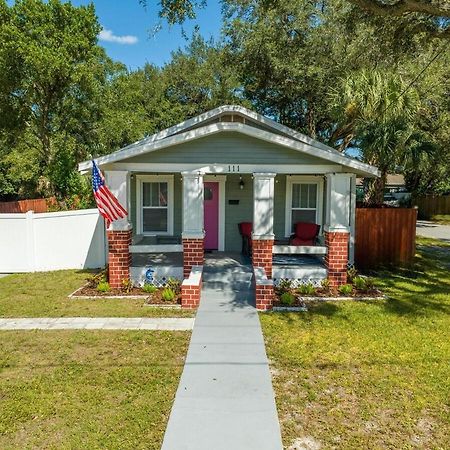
<point>351,254</point>
<point>192,205</point>
<point>262,235</point>
<point>263,193</point>
<point>119,232</point>
<point>337,226</point>
<point>193,226</point>
<point>118,183</point>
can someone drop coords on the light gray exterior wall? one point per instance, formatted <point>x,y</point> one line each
<point>227,148</point>
<point>234,214</point>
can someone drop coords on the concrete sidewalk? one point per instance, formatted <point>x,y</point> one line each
<point>97,323</point>
<point>433,230</point>
<point>225,400</point>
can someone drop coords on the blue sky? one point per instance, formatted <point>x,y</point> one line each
<point>128,30</point>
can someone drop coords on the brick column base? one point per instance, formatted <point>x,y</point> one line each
<point>119,258</point>
<point>336,259</point>
<point>262,254</point>
<point>190,296</point>
<point>264,296</point>
<point>193,255</point>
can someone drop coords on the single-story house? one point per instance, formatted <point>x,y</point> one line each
<point>188,187</point>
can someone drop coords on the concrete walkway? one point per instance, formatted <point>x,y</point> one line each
<point>433,230</point>
<point>97,323</point>
<point>225,399</point>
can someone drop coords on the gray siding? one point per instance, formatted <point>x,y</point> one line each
<point>227,148</point>
<point>234,214</point>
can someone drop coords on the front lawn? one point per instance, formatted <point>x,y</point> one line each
<point>369,375</point>
<point>44,294</point>
<point>88,389</point>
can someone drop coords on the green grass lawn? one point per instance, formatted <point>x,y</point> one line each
<point>369,375</point>
<point>87,389</point>
<point>44,294</point>
<point>441,218</point>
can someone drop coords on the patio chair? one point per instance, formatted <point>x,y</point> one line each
<point>245,230</point>
<point>305,233</point>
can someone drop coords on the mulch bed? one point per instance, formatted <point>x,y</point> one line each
<point>327,295</point>
<point>136,292</point>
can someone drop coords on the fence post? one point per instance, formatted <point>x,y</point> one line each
<point>31,257</point>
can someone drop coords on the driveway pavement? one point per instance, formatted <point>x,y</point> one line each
<point>433,230</point>
<point>225,400</point>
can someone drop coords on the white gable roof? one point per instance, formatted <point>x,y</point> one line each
<point>203,125</point>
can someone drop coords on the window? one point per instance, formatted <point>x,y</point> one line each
<point>303,201</point>
<point>155,212</point>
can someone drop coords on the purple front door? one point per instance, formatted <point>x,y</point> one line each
<point>211,215</point>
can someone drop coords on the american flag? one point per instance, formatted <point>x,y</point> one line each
<point>108,205</point>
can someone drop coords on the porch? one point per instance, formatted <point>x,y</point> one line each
<point>176,217</point>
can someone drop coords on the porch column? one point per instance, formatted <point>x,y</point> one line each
<point>337,227</point>
<point>119,232</point>
<point>193,232</point>
<point>262,235</point>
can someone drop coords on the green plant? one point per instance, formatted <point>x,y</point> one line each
<point>96,278</point>
<point>103,286</point>
<point>149,288</point>
<point>345,289</point>
<point>307,289</point>
<point>284,285</point>
<point>174,284</point>
<point>287,298</point>
<point>370,284</point>
<point>325,284</point>
<point>127,285</point>
<point>168,294</point>
<point>352,273</point>
<point>359,283</point>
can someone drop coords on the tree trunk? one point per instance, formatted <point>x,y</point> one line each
<point>374,190</point>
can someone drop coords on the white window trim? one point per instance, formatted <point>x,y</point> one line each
<point>139,206</point>
<point>293,179</point>
<point>221,179</point>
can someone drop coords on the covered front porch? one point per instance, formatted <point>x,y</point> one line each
<point>174,218</point>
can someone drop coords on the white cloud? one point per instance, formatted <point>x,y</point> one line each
<point>108,36</point>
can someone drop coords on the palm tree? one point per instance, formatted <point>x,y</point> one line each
<point>374,112</point>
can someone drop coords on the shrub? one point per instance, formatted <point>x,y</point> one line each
<point>307,289</point>
<point>287,298</point>
<point>370,284</point>
<point>359,283</point>
<point>149,288</point>
<point>127,285</point>
<point>325,284</point>
<point>96,278</point>
<point>174,284</point>
<point>103,286</point>
<point>345,289</point>
<point>168,295</point>
<point>352,273</point>
<point>285,285</point>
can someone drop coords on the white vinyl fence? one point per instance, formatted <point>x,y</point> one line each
<point>51,241</point>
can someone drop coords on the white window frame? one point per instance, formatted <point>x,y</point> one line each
<point>140,179</point>
<point>302,179</point>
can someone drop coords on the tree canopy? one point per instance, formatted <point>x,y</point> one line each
<point>345,75</point>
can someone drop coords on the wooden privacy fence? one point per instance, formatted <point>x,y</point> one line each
<point>385,236</point>
<point>430,206</point>
<point>39,205</point>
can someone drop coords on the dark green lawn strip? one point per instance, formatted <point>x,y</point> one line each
<point>44,294</point>
<point>87,389</point>
<point>369,375</point>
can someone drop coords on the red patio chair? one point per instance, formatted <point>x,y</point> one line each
<point>245,229</point>
<point>305,233</point>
